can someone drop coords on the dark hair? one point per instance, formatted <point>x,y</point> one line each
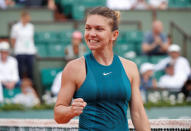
<point>108,13</point>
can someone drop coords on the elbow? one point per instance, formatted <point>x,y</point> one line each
<point>60,120</point>
<point>62,115</point>
<point>138,113</point>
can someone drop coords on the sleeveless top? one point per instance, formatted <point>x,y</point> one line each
<point>107,91</point>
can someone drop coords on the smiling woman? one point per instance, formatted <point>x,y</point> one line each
<point>101,28</point>
<point>101,83</point>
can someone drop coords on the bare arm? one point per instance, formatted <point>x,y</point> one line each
<point>164,46</point>
<point>9,85</point>
<point>148,47</point>
<point>157,42</point>
<point>13,40</point>
<point>154,83</point>
<point>64,110</point>
<point>138,115</point>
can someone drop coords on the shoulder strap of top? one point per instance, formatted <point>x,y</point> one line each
<point>87,61</point>
<point>117,61</point>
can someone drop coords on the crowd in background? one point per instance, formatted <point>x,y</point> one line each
<point>137,4</point>
<point>16,69</point>
<point>176,68</point>
<point>4,4</point>
<point>113,4</point>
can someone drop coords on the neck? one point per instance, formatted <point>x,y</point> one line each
<point>104,56</point>
<point>23,23</point>
<point>175,58</point>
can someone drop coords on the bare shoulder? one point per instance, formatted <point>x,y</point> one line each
<point>74,67</point>
<point>76,64</point>
<point>128,63</point>
<point>130,67</point>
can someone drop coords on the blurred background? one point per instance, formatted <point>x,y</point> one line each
<point>38,38</point>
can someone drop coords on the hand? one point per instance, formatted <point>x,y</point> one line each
<point>77,106</point>
<point>158,40</point>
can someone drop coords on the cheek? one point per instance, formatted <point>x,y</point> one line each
<point>85,35</point>
<point>106,36</point>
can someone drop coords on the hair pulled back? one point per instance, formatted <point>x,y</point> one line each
<point>108,13</point>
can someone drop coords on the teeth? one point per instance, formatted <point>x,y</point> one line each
<point>93,41</point>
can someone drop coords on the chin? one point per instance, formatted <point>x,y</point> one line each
<point>92,48</point>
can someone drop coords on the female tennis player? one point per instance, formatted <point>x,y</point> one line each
<point>99,86</point>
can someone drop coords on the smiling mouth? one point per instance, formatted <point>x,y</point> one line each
<point>93,41</point>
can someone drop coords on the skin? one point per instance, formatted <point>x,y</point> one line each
<point>99,38</point>
<point>7,84</point>
<point>157,28</point>
<point>174,55</point>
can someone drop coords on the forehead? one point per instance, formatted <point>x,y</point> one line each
<point>97,20</point>
<point>25,16</point>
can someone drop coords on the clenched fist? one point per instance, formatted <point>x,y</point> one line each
<point>77,106</point>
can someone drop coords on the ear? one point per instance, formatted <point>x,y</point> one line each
<point>115,35</point>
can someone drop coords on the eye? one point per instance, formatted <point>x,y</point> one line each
<point>99,28</point>
<point>87,28</point>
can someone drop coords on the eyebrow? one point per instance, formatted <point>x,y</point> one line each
<point>95,25</point>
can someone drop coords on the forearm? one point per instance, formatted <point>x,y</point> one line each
<point>140,120</point>
<point>164,46</point>
<point>147,47</point>
<point>9,85</point>
<point>138,115</point>
<point>13,40</point>
<point>62,114</point>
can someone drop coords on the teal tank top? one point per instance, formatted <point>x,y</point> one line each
<point>107,91</point>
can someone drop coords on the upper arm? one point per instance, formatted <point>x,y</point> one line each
<point>133,74</point>
<point>68,86</point>
<point>136,100</point>
<point>72,77</point>
<point>13,36</point>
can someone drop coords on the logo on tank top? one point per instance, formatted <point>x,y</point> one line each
<point>105,74</point>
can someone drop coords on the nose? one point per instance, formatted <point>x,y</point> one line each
<point>92,33</point>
